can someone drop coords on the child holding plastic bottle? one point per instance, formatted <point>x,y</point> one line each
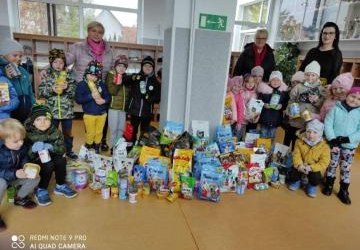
<point>311,156</point>
<point>58,90</point>
<point>342,130</point>
<point>47,149</point>
<point>116,84</point>
<point>93,95</point>
<point>249,92</point>
<point>13,157</point>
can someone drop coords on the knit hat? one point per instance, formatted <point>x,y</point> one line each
<point>230,83</point>
<point>257,71</point>
<point>344,80</point>
<point>276,74</point>
<point>94,68</point>
<point>298,76</point>
<point>40,110</point>
<point>56,53</point>
<point>316,126</point>
<point>354,90</point>
<point>121,60</point>
<point>8,45</point>
<point>313,67</point>
<point>148,60</point>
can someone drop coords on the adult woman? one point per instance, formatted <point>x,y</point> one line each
<point>257,53</point>
<point>327,53</point>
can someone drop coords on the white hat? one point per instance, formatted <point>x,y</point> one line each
<point>316,126</point>
<point>276,74</point>
<point>8,45</point>
<point>313,67</point>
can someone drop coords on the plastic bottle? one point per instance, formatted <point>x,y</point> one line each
<point>11,192</point>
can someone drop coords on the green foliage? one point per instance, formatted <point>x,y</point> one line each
<point>286,59</point>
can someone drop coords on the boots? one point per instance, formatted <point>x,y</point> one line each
<point>89,146</point>
<point>97,148</point>
<point>343,194</point>
<point>328,186</point>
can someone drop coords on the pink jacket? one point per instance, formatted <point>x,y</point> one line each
<point>326,107</point>
<point>240,106</point>
<point>248,94</point>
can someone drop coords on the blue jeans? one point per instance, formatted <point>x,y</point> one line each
<point>267,132</point>
<point>66,127</point>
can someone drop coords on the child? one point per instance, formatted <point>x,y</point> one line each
<point>274,96</point>
<point>10,58</point>
<point>258,73</point>
<point>43,135</point>
<point>240,106</point>
<point>230,112</point>
<point>144,92</point>
<point>311,156</point>
<point>342,130</point>
<point>58,89</point>
<point>115,82</point>
<point>338,90</point>
<point>93,95</point>
<point>8,97</point>
<point>249,92</point>
<point>13,156</point>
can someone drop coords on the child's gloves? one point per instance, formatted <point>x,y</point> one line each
<point>342,139</point>
<point>37,146</point>
<point>333,143</point>
<point>48,146</point>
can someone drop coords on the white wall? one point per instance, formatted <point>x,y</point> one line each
<point>154,20</point>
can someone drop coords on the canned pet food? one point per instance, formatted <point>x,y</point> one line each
<point>80,179</point>
<point>105,192</point>
<point>13,69</point>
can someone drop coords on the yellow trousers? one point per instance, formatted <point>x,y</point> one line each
<point>94,125</point>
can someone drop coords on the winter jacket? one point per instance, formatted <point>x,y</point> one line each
<point>80,54</point>
<point>340,122</point>
<point>230,111</point>
<point>5,110</point>
<point>11,161</point>
<point>119,93</point>
<point>83,96</point>
<point>240,107</point>
<point>317,156</point>
<point>52,136</point>
<point>141,104</point>
<point>61,105</point>
<point>246,61</point>
<point>271,117</point>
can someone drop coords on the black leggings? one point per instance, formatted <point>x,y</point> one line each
<point>144,123</point>
<point>57,164</point>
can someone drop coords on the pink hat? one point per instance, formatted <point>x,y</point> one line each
<point>298,76</point>
<point>354,90</point>
<point>230,83</point>
<point>344,80</point>
<point>238,79</point>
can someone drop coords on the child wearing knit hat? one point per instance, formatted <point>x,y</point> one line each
<point>117,84</point>
<point>10,58</point>
<point>58,90</point>
<point>258,73</point>
<point>311,157</point>
<point>45,138</point>
<point>342,131</point>
<point>338,90</point>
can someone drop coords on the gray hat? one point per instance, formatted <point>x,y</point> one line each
<point>276,74</point>
<point>257,71</point>
<point>8,45</point>
<point>316,126</point>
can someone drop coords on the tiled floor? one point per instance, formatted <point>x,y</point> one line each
<point>272,219</point>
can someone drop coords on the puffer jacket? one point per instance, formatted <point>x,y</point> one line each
<point>141,104</point>
<point>317,156</point>
<point>52,136</point>
<point>340,122</point>
<point>119,93</point>
<point>5,110</point>
<point>61,105</point>
<point>11,160</point>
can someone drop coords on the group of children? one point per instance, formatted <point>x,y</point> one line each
<point>306,110</point>
<point>27,129</point>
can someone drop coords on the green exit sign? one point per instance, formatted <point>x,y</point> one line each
<point>212,22</point>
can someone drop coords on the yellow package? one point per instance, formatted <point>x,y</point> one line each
<point>246,152</point>
<point>266,142</point>
<point>182,161</point>
<point>147,152</point>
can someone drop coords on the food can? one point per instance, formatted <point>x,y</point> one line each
<point>105,192</point>
<point>15,70</point>
<point>80,178</point>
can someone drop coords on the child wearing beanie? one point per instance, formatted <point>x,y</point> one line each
<point>47,150</point>
<point>94,97</point>
<point>258,73</point>
<point>338,90</point>
<point>58,90</point>
<point>10,58</point>
<point>144,93</point>
<point>342,125</point>
<point>274,96</point>
<point>116,82</point>
<point>311,156</point>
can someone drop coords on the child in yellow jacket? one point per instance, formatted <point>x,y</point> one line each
<point>311,156</point>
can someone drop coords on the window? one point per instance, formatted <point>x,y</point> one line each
<point>67,21</point>
<point>132,4</point>
<point>33,21</point>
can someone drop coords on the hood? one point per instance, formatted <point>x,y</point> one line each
<point>264,88</point>
<point>249,45</point>
<point>29,126</point>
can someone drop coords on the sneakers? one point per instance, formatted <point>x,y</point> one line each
<point>294,186</point>
<point>65,190</point>
<point>72,155</point>
<point>25,202</point>
<point>2,225</point>
<point>311,190</point>
<point>42,197</point>
<point>104,146</point>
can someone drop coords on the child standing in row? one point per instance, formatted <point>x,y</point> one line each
<point>342,130</point>
<point>13,156</point>
<point>8,97</point>
<point>249,92</point>
<point>93,95</point>
<point>43,135</point>
<point>237,83</point>
<point>116,84</point>
<point>58,89</point>
<point>10,57</point>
